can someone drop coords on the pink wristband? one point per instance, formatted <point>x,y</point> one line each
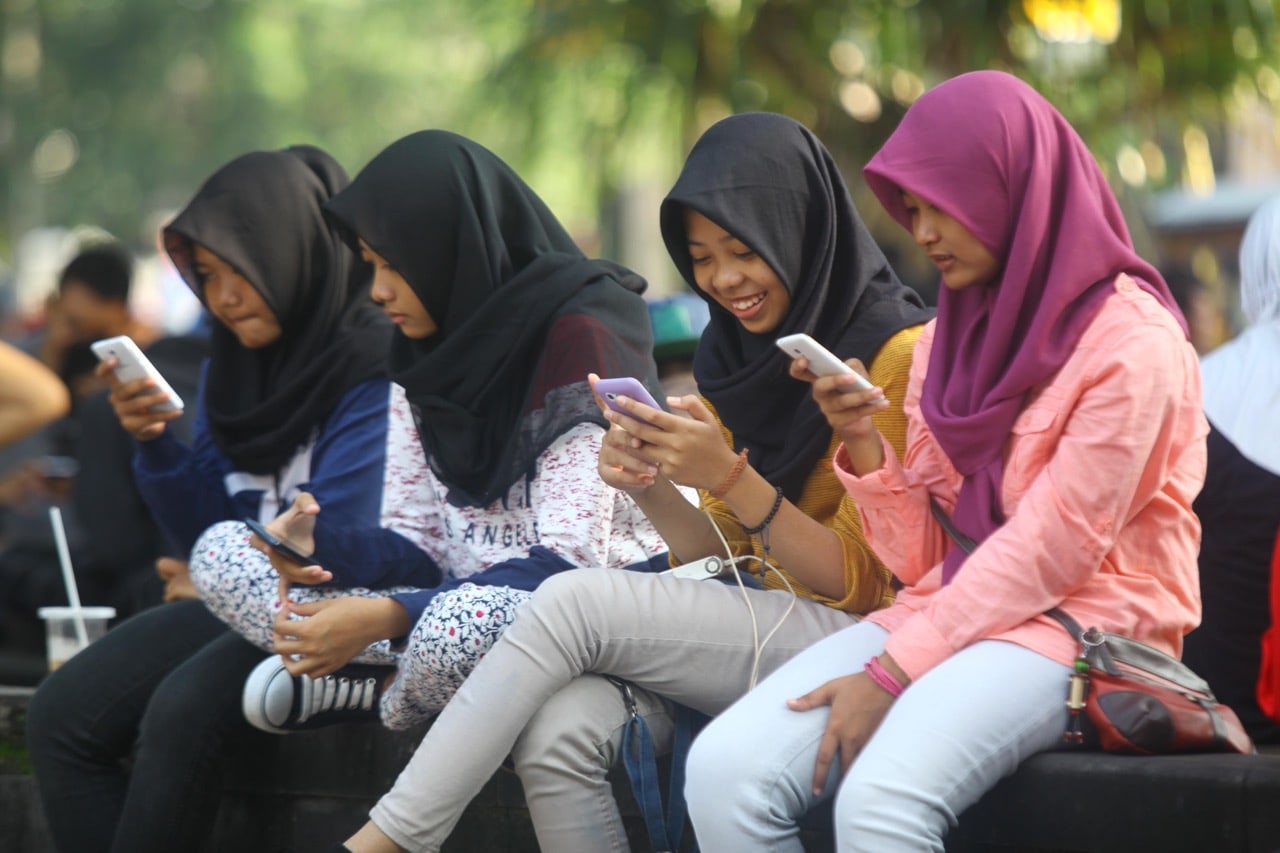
<point>883,678</point>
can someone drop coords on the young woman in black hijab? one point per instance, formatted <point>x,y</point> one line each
<point>761,226</point>
<point>500,319</point>
<point>294,398</point>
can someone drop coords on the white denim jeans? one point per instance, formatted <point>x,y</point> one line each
<point>690,641</point>
<point>954,733</point>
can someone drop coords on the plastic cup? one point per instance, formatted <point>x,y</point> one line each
<point>60,630</point>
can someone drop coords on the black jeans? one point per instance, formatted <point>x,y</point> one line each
<point>163,688</point>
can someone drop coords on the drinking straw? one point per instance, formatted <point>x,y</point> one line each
<point>68,576</point>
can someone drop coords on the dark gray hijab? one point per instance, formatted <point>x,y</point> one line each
<point>768,181</point>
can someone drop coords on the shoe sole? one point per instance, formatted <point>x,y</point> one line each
<point>253,700</point>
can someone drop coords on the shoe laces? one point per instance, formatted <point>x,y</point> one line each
<point>336,693</point>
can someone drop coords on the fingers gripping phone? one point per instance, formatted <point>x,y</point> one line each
<point>283,547</point>
<point>822,362</point>
<point>626,386</point>
<point>133,364</point>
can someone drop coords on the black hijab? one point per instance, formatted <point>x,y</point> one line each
<point>261,213</point>
<point>523,316</point>
<point>769,182</point>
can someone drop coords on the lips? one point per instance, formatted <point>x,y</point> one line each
<point>741,305</point>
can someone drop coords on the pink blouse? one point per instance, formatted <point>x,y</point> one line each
<point>1099,476</point>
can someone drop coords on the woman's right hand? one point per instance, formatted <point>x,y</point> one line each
<point>847,408</point>
<point>132,402</point>
<point>297,525</point>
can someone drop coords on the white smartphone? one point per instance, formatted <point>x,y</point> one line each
<point>133,364</point>
<point>822,361</point>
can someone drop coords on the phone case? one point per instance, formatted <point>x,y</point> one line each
<point>134,364</point>
<point>280,546</point>
<point>626,386</point>
<point>822,361</point>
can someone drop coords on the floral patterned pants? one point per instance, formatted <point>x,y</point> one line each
<point>459,626</point>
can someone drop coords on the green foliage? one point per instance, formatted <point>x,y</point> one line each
<point>582,96</point>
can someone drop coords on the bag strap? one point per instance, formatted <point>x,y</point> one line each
<point>968,545</point>
<point>642,769</point>
<point>1102,655</point>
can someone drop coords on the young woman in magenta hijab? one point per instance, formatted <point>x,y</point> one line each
<point>1054,411</point>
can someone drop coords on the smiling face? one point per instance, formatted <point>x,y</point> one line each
<point>234,301</point>
<point>393,293</point>
<point>734,275</point>
<point>963,260</point>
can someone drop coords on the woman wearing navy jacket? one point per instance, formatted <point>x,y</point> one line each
<point>294,398</point>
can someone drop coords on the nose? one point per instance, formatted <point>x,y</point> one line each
<point>923,229</point>
<point>226,291</point>
<point>726,276</point>
<point>379,290</point>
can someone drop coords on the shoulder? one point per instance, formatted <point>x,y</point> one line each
<point>1134,325</point>
<point>366,403</point>
<point>894,358</point>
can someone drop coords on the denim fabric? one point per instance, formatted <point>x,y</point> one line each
<point>953,734</point>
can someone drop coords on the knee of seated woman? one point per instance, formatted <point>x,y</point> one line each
<point>585,586</point>
<point>209,556</point>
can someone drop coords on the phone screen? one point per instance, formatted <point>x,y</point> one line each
<point>282,547</point>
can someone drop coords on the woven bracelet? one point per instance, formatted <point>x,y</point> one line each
<point>777,504</point>
<point>732,477</point>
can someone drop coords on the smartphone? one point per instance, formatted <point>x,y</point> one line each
<point>611,389</point>
<point>822,362</point>
<point>283,547</point>
<point>133,364</point>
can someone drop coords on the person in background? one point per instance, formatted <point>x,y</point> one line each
<point>1054,411</point>
<point>31,395</point>
<point>1239,507</point>
<point>92,302</point>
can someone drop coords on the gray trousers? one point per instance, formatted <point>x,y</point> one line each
<point>689,641</point>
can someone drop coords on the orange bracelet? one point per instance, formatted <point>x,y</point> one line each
<point>732,477</point>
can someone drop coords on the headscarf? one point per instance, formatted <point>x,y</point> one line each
<point>768,181</point>
<point>261,213</point>
<point>523,315</point>
<point>1242,377</point>
<point>989,151</point>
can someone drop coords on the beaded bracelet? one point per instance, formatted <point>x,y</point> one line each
<point>883,678</point>
<point>777,504</point>
<point>732,477</point>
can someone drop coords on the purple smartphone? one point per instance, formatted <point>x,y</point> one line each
<point>625,386</point>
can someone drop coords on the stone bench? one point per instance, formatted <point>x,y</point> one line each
<point>308,790</point>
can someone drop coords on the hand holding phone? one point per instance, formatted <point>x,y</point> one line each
<point>131,364</point>
<point>822,362</point>
<point>283,547</point>
<point>626,386</point>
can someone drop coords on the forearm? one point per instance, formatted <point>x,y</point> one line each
<point>809,550</point>
<point>384,619</point>
<point>864,453</point>
<point>688,532</point>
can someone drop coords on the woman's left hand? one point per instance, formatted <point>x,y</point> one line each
<point>858,705</point>
<point>689,451</point>
<point>334,631</point>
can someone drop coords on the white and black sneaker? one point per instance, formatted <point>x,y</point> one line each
<point>276,701</point>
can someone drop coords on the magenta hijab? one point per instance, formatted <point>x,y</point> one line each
<point>988,150</point>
